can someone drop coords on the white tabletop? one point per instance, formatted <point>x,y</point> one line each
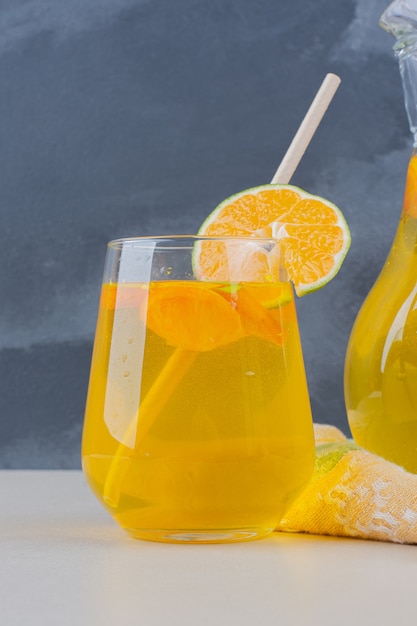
<point>64,561</point>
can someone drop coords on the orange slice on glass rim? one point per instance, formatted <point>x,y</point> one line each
<point>313,237</point>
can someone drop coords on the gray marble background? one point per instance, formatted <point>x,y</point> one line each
<point>136,117</point>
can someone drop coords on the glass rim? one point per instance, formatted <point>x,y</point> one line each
<point>118,243</point>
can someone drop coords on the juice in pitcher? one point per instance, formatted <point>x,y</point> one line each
<point>381,363</point>
<point>381,360</point>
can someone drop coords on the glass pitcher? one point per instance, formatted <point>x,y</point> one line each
<point>381,360</point>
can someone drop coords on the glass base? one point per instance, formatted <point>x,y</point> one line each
<point>200,536</point>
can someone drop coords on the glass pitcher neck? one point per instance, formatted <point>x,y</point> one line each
<point>400,19</point>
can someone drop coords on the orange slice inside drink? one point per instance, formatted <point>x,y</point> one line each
<point>203,316</point>
<point>191,316</point>
<point>313,237</point>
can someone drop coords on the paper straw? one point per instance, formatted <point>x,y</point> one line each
<point>306,130</point>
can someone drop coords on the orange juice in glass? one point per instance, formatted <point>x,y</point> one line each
<point>198,425</point>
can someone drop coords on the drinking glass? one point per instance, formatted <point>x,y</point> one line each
<point>198,425</point>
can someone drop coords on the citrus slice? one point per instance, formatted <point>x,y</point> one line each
<point>257,318</point>
<point>313,234</point>
<point>191,316</point>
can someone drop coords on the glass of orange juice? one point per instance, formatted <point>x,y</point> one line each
<point>198,425</point>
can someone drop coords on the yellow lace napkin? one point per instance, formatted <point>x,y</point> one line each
<point>354,493</point>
